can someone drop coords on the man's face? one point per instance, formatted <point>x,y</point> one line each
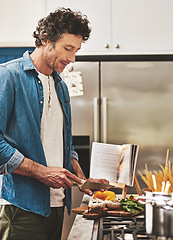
<point>63,52</point>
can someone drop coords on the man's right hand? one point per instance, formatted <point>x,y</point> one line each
<point>55,177</point>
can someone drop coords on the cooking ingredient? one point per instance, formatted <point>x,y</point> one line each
<point>115,204</point>
<point>161,181</point>
<point>132,197</point>
<point>98,195</point>
<point>109,195</point>
<point>131,205</point>
<point>95,204</point>
<point>106,195</point>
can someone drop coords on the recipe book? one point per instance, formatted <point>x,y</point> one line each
<point>116,163</point>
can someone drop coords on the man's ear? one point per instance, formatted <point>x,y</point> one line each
<point>44,39</point>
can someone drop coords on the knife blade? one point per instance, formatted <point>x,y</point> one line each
<point>95,185</point>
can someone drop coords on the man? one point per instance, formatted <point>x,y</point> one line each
<point>36,153</point>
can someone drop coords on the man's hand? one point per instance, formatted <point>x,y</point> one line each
<point>88,191</point>
<point>76,168</point>
<point>55,177</point>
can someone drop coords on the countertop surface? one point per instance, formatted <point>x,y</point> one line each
<point>82,228</point>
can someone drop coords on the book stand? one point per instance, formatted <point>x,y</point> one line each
<point>124,187</point>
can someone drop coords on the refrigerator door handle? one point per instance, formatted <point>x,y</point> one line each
<point>104,118</point>
<point>96,120</point>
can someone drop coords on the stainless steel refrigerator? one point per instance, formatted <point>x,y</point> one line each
<point>126,102</point>
<point>123,102</point>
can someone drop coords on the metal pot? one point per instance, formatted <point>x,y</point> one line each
<point>162,221</point>
<point>158,214</point>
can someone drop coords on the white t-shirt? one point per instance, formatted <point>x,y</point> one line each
<point>51,135</point>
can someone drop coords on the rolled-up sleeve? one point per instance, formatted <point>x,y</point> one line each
<point>74,155</point>
<point>10,158</point>
<point>12,164</point>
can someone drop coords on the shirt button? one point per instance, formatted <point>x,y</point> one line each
<point>41,102</point>
<point>39,81</point>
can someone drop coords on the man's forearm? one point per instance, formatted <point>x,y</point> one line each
<point>55,177</point>
<point>30,168</point>
<point>76,169</point>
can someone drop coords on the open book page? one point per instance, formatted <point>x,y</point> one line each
<point>104,161</point>
<point>116,163</point>
<point>124,166</point>
<point>135,149</point>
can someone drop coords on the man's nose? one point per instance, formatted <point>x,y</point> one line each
<point>71,57</point>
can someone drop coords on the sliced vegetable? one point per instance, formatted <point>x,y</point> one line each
<point>131,205</point>
<point>106,195</point>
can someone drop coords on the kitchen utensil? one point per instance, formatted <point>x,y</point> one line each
<point>158,213</point>
<point>104,212</point>
<point>162,220</point>
<point>80,210</point>
<point>94,185</point>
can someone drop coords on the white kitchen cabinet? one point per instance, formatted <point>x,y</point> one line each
<point>144,26</point>
<point>98,13</point>
<point>18,20</point>
<point>123,26</point>
<point>118,26</point>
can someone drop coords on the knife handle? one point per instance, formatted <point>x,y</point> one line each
<point>79,185</point>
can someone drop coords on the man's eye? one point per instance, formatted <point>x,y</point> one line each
<point>67,49</point>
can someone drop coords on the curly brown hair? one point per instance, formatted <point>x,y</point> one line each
<point>63,20</point>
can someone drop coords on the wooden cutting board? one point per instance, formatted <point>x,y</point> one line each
<point>121,213</point>
<point>80,210</point>
<point>105,212</point>
<point>91,216</point>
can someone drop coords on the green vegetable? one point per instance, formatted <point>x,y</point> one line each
<point>132,206</point>
<point>131,197</point>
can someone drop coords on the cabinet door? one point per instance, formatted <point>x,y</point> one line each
<point>98,13</point>
<point>142,26</point>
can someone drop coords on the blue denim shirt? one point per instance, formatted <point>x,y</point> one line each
<point>21,107</point>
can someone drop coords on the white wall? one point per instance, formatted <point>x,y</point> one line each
<point>18,20</point>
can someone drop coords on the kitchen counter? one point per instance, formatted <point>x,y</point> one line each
<point>82,228</point>
<point>120,227</point>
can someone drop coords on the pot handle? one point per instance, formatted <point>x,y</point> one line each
<point>147,199</point>
<point>153,200</point>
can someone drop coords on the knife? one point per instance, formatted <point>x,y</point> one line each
<point>94,185</point>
